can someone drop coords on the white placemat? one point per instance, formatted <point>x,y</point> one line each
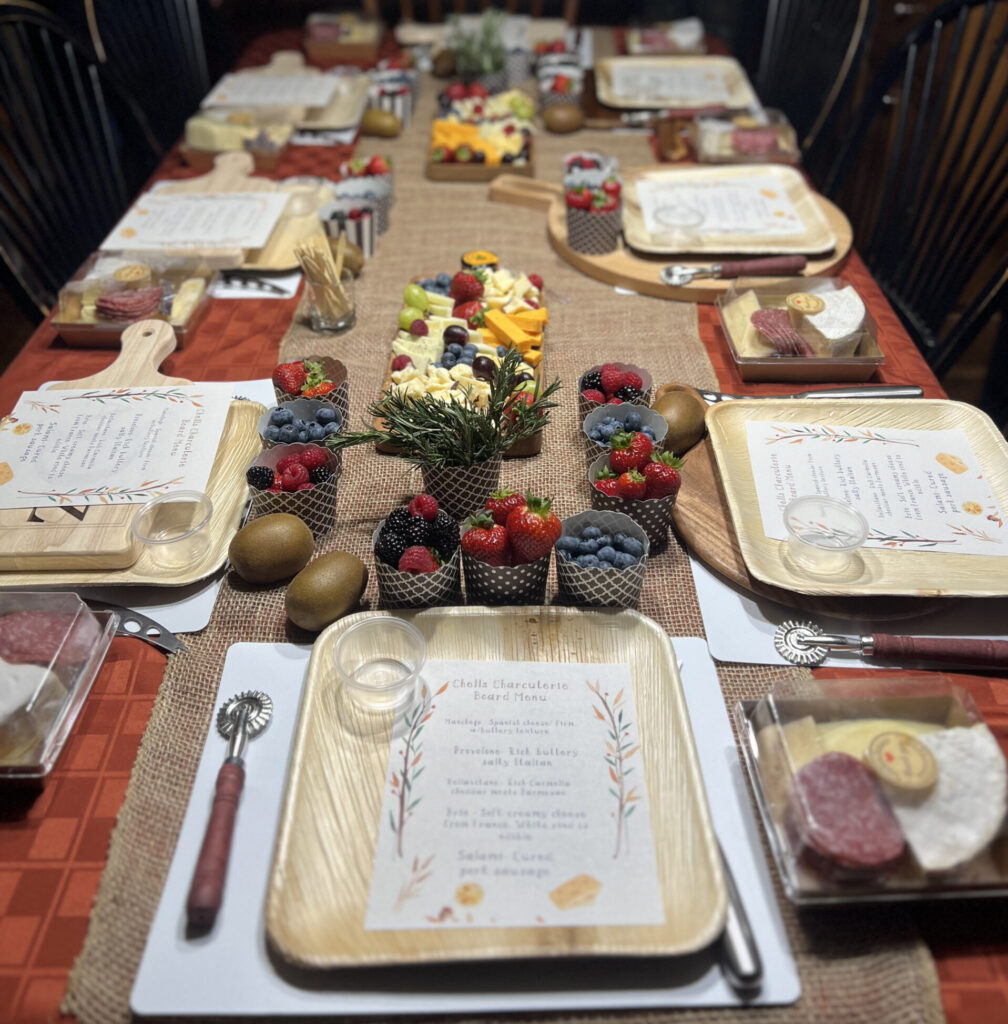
<point>190,977</point>
<point>740,626</point>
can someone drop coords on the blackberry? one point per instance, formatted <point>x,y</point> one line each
<point>399,517</point>
<point>392,542</point>
<point>319,474</point>
<point>628,393</point>
<point>444,534</point>
<point>260,477</point>
<point>417,530</point>
<point>591,381</point>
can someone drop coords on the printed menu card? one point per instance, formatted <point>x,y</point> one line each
<point>687,85</point>
<point>919,490</point>
<point>258,90</point>
<point>515,797</point>
<point>110,445</point>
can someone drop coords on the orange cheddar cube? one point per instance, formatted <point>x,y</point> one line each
<point>506,330</point>
<point>531,320</point>
<point>533,356</point>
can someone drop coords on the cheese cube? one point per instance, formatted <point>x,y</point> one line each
<point>505,329</point>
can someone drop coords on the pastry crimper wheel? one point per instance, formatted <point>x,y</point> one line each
<point>240,719</point>
<point>804,643</point>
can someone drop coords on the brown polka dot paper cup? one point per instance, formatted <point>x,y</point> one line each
<point>505,584</point>
<point>653,515</point>
<point>416,590</point>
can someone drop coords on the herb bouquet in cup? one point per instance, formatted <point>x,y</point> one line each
<point>456,443</point>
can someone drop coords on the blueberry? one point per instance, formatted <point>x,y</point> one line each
<point>302,435</point>
<point>272,433</point>
<point>316,432</point>
<point>587,561</point>
<point>591,533</point>
<point>565,555</point>
<point>444,280</point>
<point>610,421</point>
<point>588,547</point>
<point>455,348</point>
<point>632,546</point>
<point>607,553</point>
<point>618,539</point>
<point>299,424</point>
<point>605,540</point>
<point>448,360</point>
<point>287,434</point>
<point>623,561</point>
<point>596,434</point>
<point>326,414</point>
<point>281,416</point>
<point>470,348</point>
<point>467,358</point>
<point>567,544</point>
<point>633,421</point>
<point>501,350</point>
<point>648,432</point>
<point>331,428</point>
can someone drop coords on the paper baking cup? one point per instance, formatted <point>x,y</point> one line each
<point>580,585</point>
<point>395,98</point>
<point>461,490</point>
<point>388,179</point>
<point>416,590</point>
<point>303,408</point>
<point>505,584</point>
<point>647,386</point>
<point>335,371</point>
<point>362,231</point>
<point>653,515</point>
<point>517,67</point>
<point>317,507</point>
<point>375,191</point>
<point>593,233</point>
<point>575,176</point>
<point>620,412</point>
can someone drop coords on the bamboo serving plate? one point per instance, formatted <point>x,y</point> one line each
<point>817,234</point>
<point>321,876</point>
<point>94,546</point>
<point>740,91</point>
<point>876,571</point>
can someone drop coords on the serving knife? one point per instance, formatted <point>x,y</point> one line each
<point>738,954</point>
<point>870,391</point>
<point>136,624</point>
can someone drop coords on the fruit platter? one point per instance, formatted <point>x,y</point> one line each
<point>478,136</point>
<point>455,329</point>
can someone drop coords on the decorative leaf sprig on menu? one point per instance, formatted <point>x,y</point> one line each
<point>437,433</point>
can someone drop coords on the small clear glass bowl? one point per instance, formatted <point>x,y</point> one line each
<point>174,528</point>
<point>379,661</point>
<point>823,534</point>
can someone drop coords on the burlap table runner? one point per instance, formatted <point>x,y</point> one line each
<point>854,966</point>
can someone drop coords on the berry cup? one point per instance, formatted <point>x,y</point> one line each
<point>622,413</point>
<point>505,584</point>
<point>398,589</point>
<point>315,506</point>
<point>594,585</point>
<point>647,387</point>
<point>653,515</point>
<point>332,369</point>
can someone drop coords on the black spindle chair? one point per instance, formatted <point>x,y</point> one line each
<point>923,176</point>
<point>74,147</point>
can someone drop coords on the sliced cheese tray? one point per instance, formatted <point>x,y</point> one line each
<point>878,789</point>
<point>444,345</point>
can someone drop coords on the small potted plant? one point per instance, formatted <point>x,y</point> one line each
<point>457,444</point>
<point>479,53</point>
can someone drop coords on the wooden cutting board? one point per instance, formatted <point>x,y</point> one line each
<point>90,536</point>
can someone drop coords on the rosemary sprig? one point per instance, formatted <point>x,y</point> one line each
<point>432,432</point>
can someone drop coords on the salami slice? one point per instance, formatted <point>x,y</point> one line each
<point>39,637</point>
<point>839,819</point>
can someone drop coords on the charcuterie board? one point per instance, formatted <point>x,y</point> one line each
<point>70,545</point>
<point>299,223</point>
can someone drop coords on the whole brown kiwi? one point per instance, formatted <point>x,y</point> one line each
<point>271,548</point>
<point>353,258</point>
<point>684,411</point>
<point>325,590</point>
<point>380,122</point>
<point>443,64</point>
<point>563,118</point>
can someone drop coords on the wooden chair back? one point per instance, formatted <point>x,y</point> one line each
<point>438,10</point>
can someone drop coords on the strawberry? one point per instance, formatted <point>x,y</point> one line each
<point>605,481</point>
<point>558,46</point>
<point>613,378</point>
<point>455,91</point>
<point>486,540</point>
<point>425,506</point>
<point>357,167</point>
<point>632,485</point>
<point>378,165</point>
<point>401,362</point>
<point>612,187</point>
<point>465,286</point>
<point>562,83</point>
<point>592,395</point>
<point>316,383</point>
<point>533,529</point>
<point>602,203</point>
<point>319,390</point>
<point>578,198</point>
<point>536,281</point>
<point>419,559</point>
<point>471,312</point>
<point>629,451</point>
<point>289,377</point>
<point>662,475</point>
<point>479,90</point>
<point>501,504</point>
<point>522,398</point>
<point>312,458</point>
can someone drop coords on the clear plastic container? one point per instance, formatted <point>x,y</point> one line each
<point>743,139</point>
<point>823,534</point>
<point>379,660</point>
<point>754,357</point>
<point>885,788</point>
<point>51,647</point>
<point>174,528</point>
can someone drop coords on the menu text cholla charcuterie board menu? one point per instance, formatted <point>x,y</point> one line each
<point>515,796</point>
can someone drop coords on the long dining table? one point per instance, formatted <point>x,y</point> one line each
<point>56,843</point>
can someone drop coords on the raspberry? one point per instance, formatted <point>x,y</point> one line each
<point>424,505</point>
<point>312,458</point>
<point>259,477</point>
<point>287,461</point>
<point>319,474</point>
<point>633,379</point>
<point>294,476</point>
<point>536,281</point>
<point>612,379</point>
<point>401,362</point>
<point>592,395</point>
<point>306,487</point>
<point>417,559</point>
<point>418,329</point>
<point>615,401</point>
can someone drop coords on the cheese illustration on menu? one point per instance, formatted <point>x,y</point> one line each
<point>515,796</point>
